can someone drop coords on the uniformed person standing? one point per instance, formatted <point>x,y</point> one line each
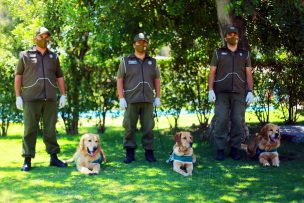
<point>137,78</point>
<point>37,75</point>
<point>230,86</point>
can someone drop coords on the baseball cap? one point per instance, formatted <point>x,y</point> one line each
<point>140,36</point>
<point>231,29</point>
<point>42,30</point>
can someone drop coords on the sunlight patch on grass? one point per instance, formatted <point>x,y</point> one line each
<point>7,196</point>
<point>228,198</point>
<point>248,167</point>
<point>250,179</point>
<point>228,175</point>
<point>299,190</point>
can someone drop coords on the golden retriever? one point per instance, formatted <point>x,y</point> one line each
<point>183,156</point>
<point>265,145</point>
<point>89,155</point>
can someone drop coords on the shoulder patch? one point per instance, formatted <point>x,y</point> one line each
<point>132,62</point>
<point>150,62</point>
<point>224,53</point>
<point>32,55</point>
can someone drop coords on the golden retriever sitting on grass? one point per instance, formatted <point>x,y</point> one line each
<point>89,155</point>
<point>183,156</point>
<point>265,145</point>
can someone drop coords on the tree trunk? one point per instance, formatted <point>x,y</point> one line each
<point>226,16</point>
<point>223,16</point>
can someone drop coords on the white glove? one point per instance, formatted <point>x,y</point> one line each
<point>122,103</point>
<point>211,96</point>
<point>157,102</point>
<point>19,103</point>
<point>249,98</point>
<point>62,101</point>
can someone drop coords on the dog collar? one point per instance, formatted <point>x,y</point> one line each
<point>260,151</point>
<point>186,159</point>
<point>97,161</point>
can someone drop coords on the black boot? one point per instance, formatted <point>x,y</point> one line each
<point>130,155</point>
<point>56,162</point>
<point>234,154</point>
<point>150,155</point>
<point>220,155</point>
<point>27,164</point>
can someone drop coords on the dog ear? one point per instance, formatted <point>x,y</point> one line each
<point>177,137</point>
<point>81,142</point>
<point>264,130</point>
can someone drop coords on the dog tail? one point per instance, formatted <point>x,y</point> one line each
<point>74,157</point>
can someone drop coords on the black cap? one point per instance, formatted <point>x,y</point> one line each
<point>42,30</point>
<point>140,36</point>
<point>231,29</point>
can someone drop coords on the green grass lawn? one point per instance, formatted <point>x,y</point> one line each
<point>212,181</point>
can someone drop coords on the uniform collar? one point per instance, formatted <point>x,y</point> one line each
<point>226,49</point>
<point>34,49</point>
<point>134,57</point>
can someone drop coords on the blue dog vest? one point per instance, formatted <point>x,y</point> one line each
<point>183,159</point>
<point>97,161</point>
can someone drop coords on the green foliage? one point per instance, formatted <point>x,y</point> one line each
<point>8,111</point>
<point>91,36</point>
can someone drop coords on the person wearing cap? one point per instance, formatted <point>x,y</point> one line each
<point>137,79</point>
<point>230,87</point>
<point>38,73</point>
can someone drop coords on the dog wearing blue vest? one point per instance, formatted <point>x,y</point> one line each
<point>89,155</point>
<point>182,155</point>
<point>265,145</point>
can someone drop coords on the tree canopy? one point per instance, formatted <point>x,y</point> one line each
<point>91,37</point>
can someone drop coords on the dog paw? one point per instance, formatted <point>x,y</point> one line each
<point>276,165</point>
<point>266,164</point>
<point>93,173</point>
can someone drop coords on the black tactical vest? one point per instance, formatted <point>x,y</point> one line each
<point>39,75</point>
<point>139,79</point>
<point>231,71</point>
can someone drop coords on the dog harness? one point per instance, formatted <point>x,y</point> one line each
<point>183,159</point>
<point>260,151</point>
<point>97,161</point>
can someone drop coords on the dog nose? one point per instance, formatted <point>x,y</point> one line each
<point>276,135</point>
<point>94,148</point>
<point>190,144</point>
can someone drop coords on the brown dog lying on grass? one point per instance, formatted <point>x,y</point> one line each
<point>265,145</point>
<point>89,155</point>
<point>182,155</point>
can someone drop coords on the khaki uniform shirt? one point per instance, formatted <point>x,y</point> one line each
<point>138,77</point>
<point>39,73</point>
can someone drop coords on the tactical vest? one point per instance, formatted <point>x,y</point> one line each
<point>39,75</point>
<point>231,71</point>
<point>139,79</point>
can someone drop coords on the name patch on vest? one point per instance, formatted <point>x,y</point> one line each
<point>150,62</point>
<point>132,62</point>
<point>224,53</point>
<point>32,55</point>
<point>241,54</point>
<point>51,56</point>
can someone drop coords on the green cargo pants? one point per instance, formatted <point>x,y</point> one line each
<point>224,103</point>
<point>145,112</point>
<point>33,111</point>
